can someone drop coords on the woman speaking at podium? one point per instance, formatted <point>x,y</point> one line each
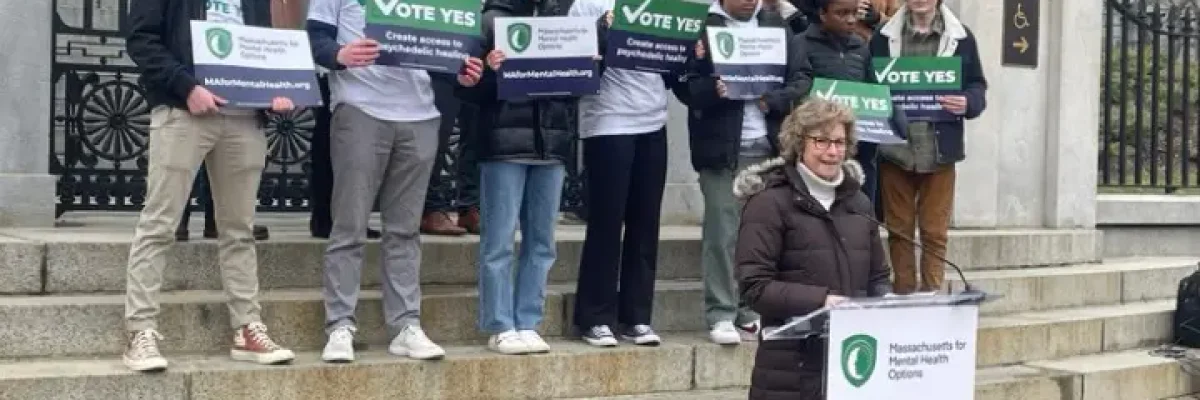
<point>803,243</point>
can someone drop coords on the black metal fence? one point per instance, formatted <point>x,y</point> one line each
<point>1150,115</point>
<point>99,127</point>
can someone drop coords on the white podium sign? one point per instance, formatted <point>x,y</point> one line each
<point>902,353</point>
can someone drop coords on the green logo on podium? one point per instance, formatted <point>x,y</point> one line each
<point>859,353</point>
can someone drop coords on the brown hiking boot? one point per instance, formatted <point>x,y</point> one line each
<point>439,223</point>
<point>469,220</point>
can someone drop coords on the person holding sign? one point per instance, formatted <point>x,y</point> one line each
<point>833,51</point>
<point>737,96</point>
<point>523,144</point>
<point>918,177</point>
<point>803,243</point>
<point>625,162</point>
<point>383,141</point>
<point>191,125</point>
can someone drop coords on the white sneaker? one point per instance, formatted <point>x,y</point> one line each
<point>141,354</point>
<point>412,343</point>
<point>724,333</point>
<point>534,341</point>
<point>507,343</point>
<point>340,347</point>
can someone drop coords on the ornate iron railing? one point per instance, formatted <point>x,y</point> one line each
<point>1149,111</point>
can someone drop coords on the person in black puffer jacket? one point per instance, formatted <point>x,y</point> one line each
<point>835,51</point>
<point>523,145</point>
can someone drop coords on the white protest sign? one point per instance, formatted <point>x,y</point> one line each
<point>751,61</point>
<point>547,56</point>
<point>249,66</point>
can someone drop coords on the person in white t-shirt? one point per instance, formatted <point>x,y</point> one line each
<point>383,141</point>
<point>625,163</point>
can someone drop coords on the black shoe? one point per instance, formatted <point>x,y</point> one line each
<point>182,235</point>
<point>374,233</point>
<point>641,335</point>
<point>260,233</point>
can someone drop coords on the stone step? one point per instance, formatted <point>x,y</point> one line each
<point>1112,281</point>
<point>196,322</point>
<point>724,394</point>
<point>685,367</point>
<point>1125,375</point>
<point>1042,335</point>
<point>93,259</point>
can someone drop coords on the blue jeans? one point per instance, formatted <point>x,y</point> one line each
<point>512,193</point>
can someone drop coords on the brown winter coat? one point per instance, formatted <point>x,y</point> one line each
<point>791,253</point>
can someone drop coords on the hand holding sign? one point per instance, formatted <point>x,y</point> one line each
<point>495,59</point>
<point>721,89</point>
<point>954,104</point>
<point>282,104</point>
<point>700,52</point>
<point>201,101</point>
<point>471,71</point>
<point>359,53</point>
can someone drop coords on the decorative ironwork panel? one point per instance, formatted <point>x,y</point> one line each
<point>101,121</point>
<point>1150,103</point>
<point>99,130</point>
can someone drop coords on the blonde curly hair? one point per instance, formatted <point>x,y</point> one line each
<point>809,120</point>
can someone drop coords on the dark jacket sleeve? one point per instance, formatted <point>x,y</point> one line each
<point>880,279</point>
<point>146,47</point>
<point>974,83</point>
<point>325,48</point>
<point>485,90</point>
<point>798,80</point>
<point>758,252</point>
<point>699,87</point>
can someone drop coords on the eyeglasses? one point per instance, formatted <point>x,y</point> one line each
<point>822,143</point>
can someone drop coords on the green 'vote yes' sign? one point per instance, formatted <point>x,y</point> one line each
<point>677,19</point>
<point>867,100</point>
<point>919,73</point>
<point>451,16</point>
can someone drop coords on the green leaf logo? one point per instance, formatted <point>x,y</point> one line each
<point>219,42</point>
<point>859,353</point>
<point>520,35</point>
<point>726,44</point>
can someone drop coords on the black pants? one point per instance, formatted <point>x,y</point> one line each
<point>204,197</point>
<point>320,178</point>
<point>462,190</point>
<point>625,178</point>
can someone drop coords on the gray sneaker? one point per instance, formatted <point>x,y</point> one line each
<point>641,335</point>
<point>142,353</point>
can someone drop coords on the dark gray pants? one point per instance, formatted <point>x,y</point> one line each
<point>391,160</point>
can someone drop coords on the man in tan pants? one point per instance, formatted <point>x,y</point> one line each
<point>188,126</point>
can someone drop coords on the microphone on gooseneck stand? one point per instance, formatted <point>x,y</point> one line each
<point>968,289</point>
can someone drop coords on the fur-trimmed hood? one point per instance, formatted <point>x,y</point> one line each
<point>758,177</point>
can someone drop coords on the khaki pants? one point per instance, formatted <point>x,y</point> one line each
<point>910,200</point>
<point>234,148</point>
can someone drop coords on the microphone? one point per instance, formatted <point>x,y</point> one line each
<point>967,287</point>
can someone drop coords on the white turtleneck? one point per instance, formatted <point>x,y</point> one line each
<point>822,189</point>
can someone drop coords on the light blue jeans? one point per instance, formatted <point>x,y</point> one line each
<point>512,193</point>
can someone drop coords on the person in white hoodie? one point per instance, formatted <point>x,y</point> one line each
<point>623,129</point>
<point>726,136</point>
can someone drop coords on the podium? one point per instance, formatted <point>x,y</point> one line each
<point>910,347</point>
